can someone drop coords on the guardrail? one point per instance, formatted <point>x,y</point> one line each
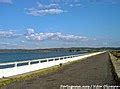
<point>15,68</point>
<point>31,62</point>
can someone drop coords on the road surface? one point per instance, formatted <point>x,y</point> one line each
<point>94,70</point>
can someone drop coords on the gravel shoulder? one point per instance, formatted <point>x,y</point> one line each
<point>94,70</point>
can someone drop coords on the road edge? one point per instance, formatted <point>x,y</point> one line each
<point>116,67</point>
<point>40,72</point>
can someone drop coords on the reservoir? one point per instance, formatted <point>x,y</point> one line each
<point>24,56</point>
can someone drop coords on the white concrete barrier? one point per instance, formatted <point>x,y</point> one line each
<point>32,65</point>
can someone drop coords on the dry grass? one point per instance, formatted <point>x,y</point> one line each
<point>27,76</point>
<point>116,54</point>
<point>31,75</point>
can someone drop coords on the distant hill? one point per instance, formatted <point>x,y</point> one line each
<point>72,49</point>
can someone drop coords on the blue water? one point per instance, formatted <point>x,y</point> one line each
<point>22,56</point>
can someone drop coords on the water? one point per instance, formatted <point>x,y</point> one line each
<point>22,56</point>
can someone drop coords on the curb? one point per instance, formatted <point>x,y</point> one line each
<point>116,67</point>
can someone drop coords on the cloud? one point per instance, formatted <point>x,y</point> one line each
<point>22,41</point>
<point>40,10</point>
<point>79,4</point>
<point>105,43</point>
<point>6,1</point>
<point>104,1</point>
<point>30,31</point>
<point>52,5</point>
<point>71,5</point>
<point>8,34</point>
<point>7,44</point>
<point>31,35</point>
<point>4,43</point>
<point>65,1</point>
<point>76,5</point>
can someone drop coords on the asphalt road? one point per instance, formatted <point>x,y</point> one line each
<point>95,70</point>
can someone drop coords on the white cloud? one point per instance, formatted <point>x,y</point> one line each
<point>65,1</point>
<point>52,36</point>
<point>41,10</point>
<point>4,43</point>
<point>8,34</point>
<point>6,1</point>
<point>78,5</point>
<point>71,5</point>
<point>30,31</point>
<point>45,12</point>
<point>105,43</point>
<point>22,41</point>
<point>52,5</point>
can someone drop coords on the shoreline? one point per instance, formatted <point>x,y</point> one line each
<point>77,73</point>
<point>39,72</point>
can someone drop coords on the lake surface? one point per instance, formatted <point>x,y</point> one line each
<point>22,56</point>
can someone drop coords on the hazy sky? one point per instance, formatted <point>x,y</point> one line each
<point>59,23</point>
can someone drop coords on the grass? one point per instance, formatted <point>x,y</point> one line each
<point>116,54</point>
<point>31,75</point>
<point>27,76</point>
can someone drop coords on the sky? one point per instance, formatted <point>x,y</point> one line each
<point>37,24</point>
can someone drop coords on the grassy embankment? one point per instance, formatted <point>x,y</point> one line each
<point>116,54</point>
<point>31,75</point>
